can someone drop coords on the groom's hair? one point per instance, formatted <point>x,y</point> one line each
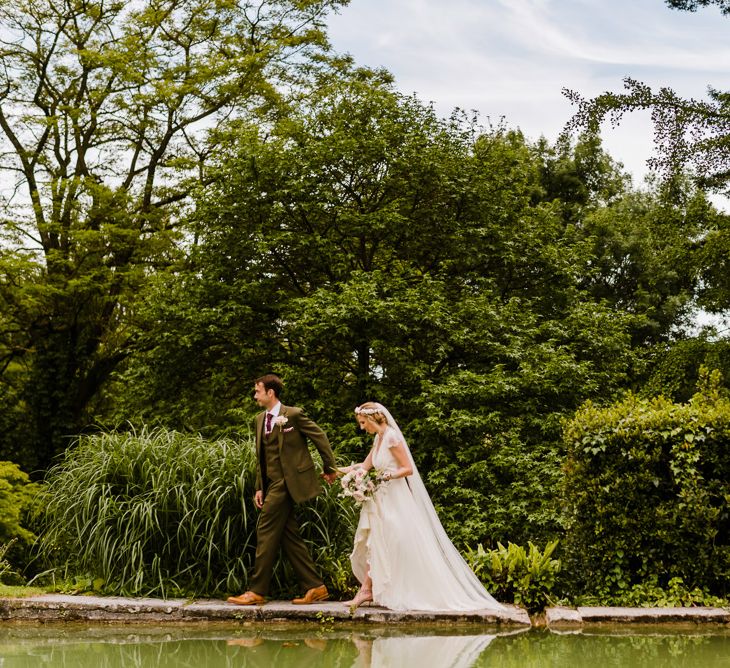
<point>271,381</point>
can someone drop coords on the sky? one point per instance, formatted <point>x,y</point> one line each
<point>512,58</point>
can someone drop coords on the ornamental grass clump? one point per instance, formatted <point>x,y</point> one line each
<point>165,513</point>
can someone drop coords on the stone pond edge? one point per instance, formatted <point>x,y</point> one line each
<point>559,616</point>
<point>65,607</point>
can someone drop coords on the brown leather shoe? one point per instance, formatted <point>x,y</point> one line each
<point>249,598</point>
<point>312,596</point>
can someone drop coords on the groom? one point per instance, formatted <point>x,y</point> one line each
<point>285,476</point>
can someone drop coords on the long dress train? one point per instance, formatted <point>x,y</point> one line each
<point>400,542</point>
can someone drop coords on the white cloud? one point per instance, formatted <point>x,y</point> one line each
<point>513,57</point>
<point>590,31</point>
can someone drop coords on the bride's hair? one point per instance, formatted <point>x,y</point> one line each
<point>371,411</point>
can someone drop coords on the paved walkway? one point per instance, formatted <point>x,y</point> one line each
<point>557,617</point>
<point>50,607</point>
<point>61,607</point>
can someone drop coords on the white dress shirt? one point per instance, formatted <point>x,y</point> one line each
<point>276,409</point>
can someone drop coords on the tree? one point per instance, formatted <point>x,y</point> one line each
<point>643,260</point>
<point>690,136</point>
<point>104,105</point>
<point>692,5</point>
<point>641,252</point>
<point>366,249</point>
<point>579,176</point>
<point>687,133</point>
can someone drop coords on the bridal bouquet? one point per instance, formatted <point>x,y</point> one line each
<point>360,485</point>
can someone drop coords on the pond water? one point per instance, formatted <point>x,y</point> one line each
<point>270,645</point>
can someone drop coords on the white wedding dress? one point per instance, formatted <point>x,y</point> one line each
<point>401,543</point>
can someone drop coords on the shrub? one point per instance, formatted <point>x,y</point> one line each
<point>650,594</point>
<point>165,513</point>
<point>675,367</point>
<point>647,489</point>
<point>17,495</point>
<point>513,574</point>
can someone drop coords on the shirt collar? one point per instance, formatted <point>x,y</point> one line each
<point>276,409</point>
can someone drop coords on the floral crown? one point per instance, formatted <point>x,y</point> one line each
<point>366,411</point>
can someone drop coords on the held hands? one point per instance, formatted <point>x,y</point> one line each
<point>330,477</point>
<point>340,471</point>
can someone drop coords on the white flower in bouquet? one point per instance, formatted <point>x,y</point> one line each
<point>360,485</point>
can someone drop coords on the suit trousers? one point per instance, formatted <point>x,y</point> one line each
<point>278,527</point>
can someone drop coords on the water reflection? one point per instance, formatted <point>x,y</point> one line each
<point>620,646</point>
<point>262,646</point>
<point>361,650</point>
<point>269,645</point>
<point>420,652</point>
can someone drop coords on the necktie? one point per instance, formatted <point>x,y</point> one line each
<point>269,418</point>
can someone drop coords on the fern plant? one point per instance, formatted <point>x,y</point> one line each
<point>515,574</point>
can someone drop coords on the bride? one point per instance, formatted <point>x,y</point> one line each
<point>402,556</point>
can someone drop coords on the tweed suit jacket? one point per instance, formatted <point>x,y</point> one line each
<point>297,465</point>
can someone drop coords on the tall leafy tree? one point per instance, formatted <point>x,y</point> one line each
<point>103,108</point>
<point>688,133</point>
<point>643,260</point>
<point>693,5</point>
<point>325,194</point>
<point>691,136</point>
<point>365,248</point>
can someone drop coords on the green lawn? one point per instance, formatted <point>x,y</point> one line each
<point>10,591</point>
